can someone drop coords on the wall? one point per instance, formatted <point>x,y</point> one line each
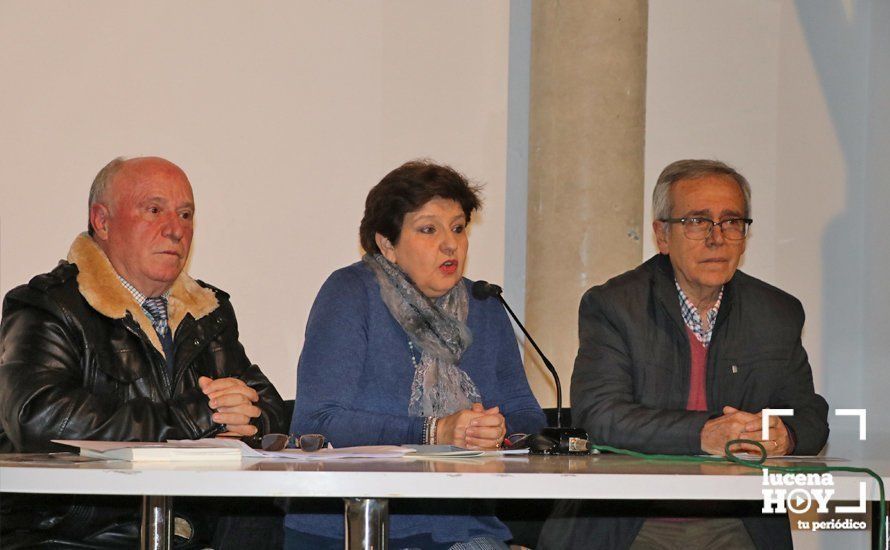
<point>283,114</point>
<point>876,291</point>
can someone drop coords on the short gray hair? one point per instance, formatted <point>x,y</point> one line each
<point>100,186</point>
<point>690,169</point>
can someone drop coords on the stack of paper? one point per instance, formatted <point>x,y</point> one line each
<point>367,451</point>
<point>222,448</point>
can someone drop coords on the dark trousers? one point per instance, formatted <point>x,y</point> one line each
<point>107,522</point>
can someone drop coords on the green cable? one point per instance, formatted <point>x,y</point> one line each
<point>759,464</point>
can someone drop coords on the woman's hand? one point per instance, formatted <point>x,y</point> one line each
<point>488,431</point>
<point>477,428</point>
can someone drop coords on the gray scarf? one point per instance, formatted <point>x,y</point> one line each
<point>438,328</point>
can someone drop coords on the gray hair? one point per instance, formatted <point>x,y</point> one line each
<point>100,186</point>
<point>690,169</point>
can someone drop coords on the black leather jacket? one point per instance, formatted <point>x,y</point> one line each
<point>69,372</point>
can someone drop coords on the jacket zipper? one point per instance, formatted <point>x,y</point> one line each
<point>149,351</point>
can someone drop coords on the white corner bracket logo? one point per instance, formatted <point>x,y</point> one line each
<point>767,413</point>
<point>854,412</point>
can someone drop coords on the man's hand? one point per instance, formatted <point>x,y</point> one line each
<point>736,424</point>
<point>476,428</point>
<point>717,431</point>
<point>779,441</point>
<point>233,401</point>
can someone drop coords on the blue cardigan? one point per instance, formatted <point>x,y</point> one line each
<point>354,382</point>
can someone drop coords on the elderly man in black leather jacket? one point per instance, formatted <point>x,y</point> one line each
<point>118,343</point>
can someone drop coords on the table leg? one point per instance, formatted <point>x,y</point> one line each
<point>367,523</point>
<point>876,527</point>
<point>157,523</point>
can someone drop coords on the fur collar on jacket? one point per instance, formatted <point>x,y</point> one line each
<point>100,286</point>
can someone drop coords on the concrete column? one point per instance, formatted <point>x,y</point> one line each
<point>585,185</point>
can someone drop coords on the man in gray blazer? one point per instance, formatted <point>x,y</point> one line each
<point>681,355</point>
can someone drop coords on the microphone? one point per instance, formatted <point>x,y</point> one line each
<point>484,289</point>
<point>557,440</point>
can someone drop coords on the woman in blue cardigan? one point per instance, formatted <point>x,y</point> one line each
<point>398,351</point>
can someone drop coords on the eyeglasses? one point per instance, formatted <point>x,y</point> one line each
<point>699,229</point>
<point>277,442</point>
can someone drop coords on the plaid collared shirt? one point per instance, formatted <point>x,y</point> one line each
<point>693,319</point>
<point>140,298</point>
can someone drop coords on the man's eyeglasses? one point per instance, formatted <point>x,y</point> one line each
<point>699,229</point>
<point>278,442</point>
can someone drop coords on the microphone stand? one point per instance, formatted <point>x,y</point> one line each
<point>552,440</point>
<point>543,357</point>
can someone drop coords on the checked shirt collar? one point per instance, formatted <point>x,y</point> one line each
<point>693,319</point>
<point>155,308</point>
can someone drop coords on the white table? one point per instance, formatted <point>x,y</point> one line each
<point>366,484</point>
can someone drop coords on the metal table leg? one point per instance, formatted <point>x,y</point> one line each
<point>156,530</point>
<point>367,523</point>
<point>876,527</point>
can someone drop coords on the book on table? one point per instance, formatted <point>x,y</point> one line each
<point>170,451</point>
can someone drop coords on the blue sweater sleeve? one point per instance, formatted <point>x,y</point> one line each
<point>331,368</point>
<point>516,400</point>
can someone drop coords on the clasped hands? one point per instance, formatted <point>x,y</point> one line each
<point>476,428</point>
<point>736,424</point>
<point>233,403</point>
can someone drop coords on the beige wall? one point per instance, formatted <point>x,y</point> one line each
<point>283,114</point>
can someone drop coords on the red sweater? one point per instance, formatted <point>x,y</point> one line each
<point>697,400</point>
